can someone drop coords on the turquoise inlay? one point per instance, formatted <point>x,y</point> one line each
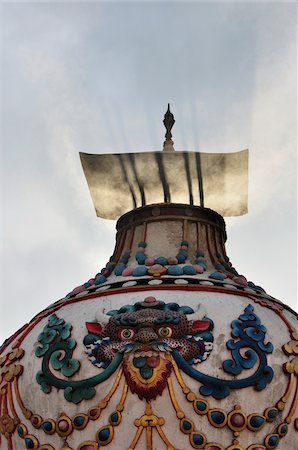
<point>47,426</point>
<point>146,372</point>
<point>197,439</point>
<point>139,362</point>
<point>256,421</point>
<point>114,417</point>
<point>283,429</point>
<point>29,443</point>
<point>272,413</point>
<point>186,425</point>
<point>273,441</point>
<point>79,421</point>
<point>218,417</point>
<point>104,434</point>
<point>201,406</point>
<point>20,431</point>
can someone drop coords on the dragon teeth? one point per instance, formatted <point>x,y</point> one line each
<point>149,353</point>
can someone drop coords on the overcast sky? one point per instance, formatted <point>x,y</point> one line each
<point>97,77</point>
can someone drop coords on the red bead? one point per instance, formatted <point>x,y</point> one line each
<point>63,425</point>
<point>153,361</point>
<point>237,420</point>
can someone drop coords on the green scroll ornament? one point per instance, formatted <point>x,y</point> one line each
<point>56,351</point>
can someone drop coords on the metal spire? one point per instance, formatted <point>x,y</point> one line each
<point>168,123</point>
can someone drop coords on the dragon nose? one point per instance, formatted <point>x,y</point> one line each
<point>146,335</point>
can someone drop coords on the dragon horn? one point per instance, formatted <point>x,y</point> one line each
<point>199,313</point>
<point>101,317</point>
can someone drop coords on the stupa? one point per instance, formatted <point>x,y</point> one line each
<point>168,346</point>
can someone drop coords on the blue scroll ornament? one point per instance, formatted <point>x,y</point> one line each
<point>248,332</point>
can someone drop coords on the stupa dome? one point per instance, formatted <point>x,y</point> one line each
<point>168,347</point>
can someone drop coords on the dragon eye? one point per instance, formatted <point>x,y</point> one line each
<point>165,331</point>
<point>126,333</point>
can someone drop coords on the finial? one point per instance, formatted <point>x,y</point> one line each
<point>168,123</point>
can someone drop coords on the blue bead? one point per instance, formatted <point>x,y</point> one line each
<point>142,244</point>
<point>259,288</point>
<point>118,270</point>
<point>189,270</point>
<point>184,243</point>
<point>202,264</point>
<point>124,260</point>
<point>180,257</point>
<point>175,270</point>
<point>161,260</point>
<point>217,276</point>
<point>140,271</point>
<point>100,279</point>
<point>125,257</point>
<point>87,285</point>
<point>141,257</point>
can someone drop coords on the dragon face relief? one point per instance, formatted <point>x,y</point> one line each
<point>146,333</point>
